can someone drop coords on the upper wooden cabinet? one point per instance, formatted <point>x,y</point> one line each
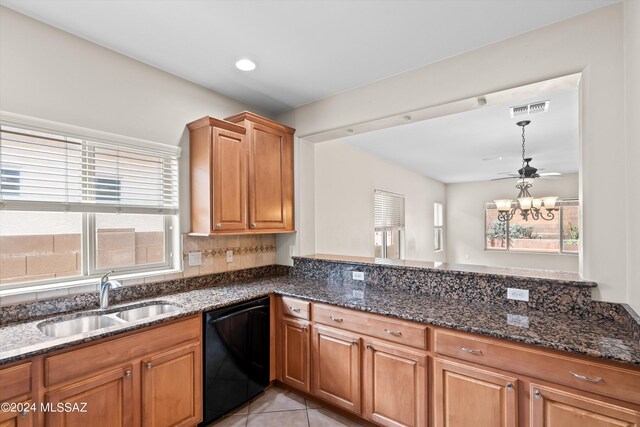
<point>241,175</point>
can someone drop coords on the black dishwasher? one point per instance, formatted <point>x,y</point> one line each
<point>236,356</point>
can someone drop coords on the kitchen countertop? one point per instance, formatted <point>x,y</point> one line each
<point>595,337</point>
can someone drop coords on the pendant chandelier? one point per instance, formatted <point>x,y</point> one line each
<point>536,208</point>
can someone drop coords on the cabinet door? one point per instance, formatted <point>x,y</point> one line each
<point>172,387</point>
<point>229,181</point>
<point>468,396</point>
<point>336,368</point>
<point>270,178</point>
<point>295,353</point>
<point>106,398</point>
<point>17,419</point>
<point>556,408</point>
<point>388,369</point>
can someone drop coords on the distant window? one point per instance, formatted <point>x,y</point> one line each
<point>10,182</point>
<point>388,224</point>
<point>107,189</point>
<point>438,223</point>
<point>560,235</point>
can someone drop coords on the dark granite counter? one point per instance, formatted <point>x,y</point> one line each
<point>594,336</point>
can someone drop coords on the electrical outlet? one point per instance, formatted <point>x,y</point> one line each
<point>229,256</point>
<point>518,320</point>
<point>518,294</point>
<point>195,258</point>
<point>357,275</point>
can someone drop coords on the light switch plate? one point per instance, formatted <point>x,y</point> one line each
<point>195,258</point>
<point>229,256</point>
<point>357,275</point>
<point>518,294</point>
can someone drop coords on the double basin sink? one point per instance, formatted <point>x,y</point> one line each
<point>95,321</point>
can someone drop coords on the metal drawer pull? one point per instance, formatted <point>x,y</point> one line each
<point>509,387</point>
<point>336,319</point>
<point>583,377</point>
<point>127,373</point>
<point>470,350</point>
<point>304,329</point>
<point>354,343</point>
<point>368,347</point>
<point>537,394</point>
<point>24,413</point>
<point>393,333</point>
<point>297,310</point>
<point>149,365</point>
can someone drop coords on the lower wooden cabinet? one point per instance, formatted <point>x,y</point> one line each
<point>336,368</point>
<point>107,399</point>
<point>557,408</point>
<point>395,385</point>
<point>468,396</point>
<point>295,354</point>
<point>17,419</point>
<point>172,387</point>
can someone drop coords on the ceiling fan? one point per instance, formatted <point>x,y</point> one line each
<point>530,173</point>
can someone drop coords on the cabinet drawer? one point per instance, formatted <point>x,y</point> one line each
<point>605,380</point>
<point>89,360</point>
<point>15,381</point>
<point>399,331</point>
<point>295,308</point>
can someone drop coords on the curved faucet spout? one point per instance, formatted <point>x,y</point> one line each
<point>105,286</point>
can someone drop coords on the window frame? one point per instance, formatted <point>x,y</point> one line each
<point>561,203</point>
<point>399,229</point>
<point>89,272</point>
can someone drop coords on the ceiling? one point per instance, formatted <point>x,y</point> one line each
<point>467,147</point>
<point>304,50</point>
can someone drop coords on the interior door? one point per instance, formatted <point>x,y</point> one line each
<point>270,178</point>
<point>336,367</point>
<point>467,396</point>
<point>387,369</point>
<point>229,181</point>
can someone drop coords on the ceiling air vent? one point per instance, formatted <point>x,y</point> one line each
<point>536,107</point>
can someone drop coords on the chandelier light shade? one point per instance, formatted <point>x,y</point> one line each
<point>525,203</point>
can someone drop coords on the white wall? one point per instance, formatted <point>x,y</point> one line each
<point>50,74</point>
<point>632,91</point>
<point>345,178</point>
<point>465,223</point>
<point>592,44</point>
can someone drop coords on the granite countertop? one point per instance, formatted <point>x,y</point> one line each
<point>604,339</point>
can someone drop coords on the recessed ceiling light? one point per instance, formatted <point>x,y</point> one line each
<point>246,65</point>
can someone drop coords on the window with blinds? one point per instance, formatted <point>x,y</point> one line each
<point>388,224</point>
<point>76,203</point>
<point>58,172</point>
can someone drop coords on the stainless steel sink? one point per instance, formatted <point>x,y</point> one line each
<point>78,325</point>
<point>133,314</point>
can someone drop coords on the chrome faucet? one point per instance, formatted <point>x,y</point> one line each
<point>105,285</point>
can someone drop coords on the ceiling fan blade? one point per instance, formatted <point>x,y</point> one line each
<point>506,177</point>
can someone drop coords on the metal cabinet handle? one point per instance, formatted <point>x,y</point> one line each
<point>149,365</point>
<point>537,394</point>
<point>24,413</point>
<point>369,347</point>
<point>304,329</point>
<point>470,350</point>
<point>127,373</point>
<point>297,310</point>
<point>253,225</point>
<point>336,319</point>
<point>354,343</point>
<point>397,334</point>
<point>585,378</point>
<point>218,226</point>
<point>509,387</point>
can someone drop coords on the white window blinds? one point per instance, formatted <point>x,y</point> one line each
<point>389,210</point>
<point>48,170</point>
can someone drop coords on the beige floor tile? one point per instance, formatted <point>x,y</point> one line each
<point>312,405</point>
<point>276,399</point>
<point>279,419</point>
<point>326,418</point>
<point>241,410</point>
<point>231,421</point>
